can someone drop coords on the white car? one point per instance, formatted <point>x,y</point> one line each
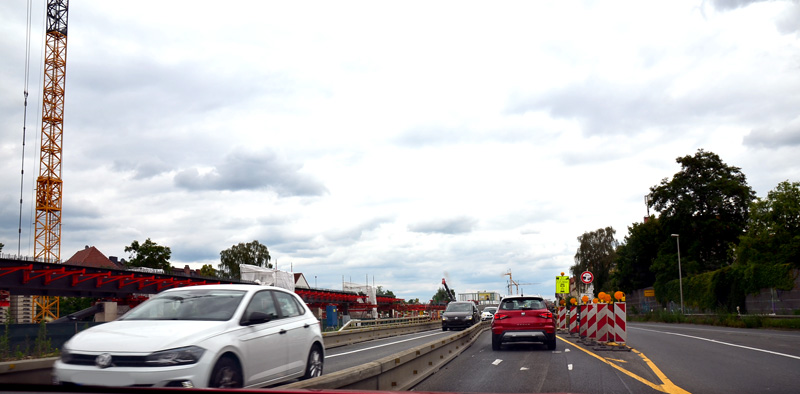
<point>199,336</point>
<point>488,313</point>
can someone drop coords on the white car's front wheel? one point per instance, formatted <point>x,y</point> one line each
<point>314,363</point>
<point>226,374</point>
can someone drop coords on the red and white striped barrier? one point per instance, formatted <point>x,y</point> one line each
<point>620,315</point>
<point>583,321</point>
<point>591,322</point>
<point>610,315</point>
<point>573,320</point>
<point>562,318</point>
<point>602,323</point>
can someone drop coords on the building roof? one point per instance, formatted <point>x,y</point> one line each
<point>300,280</point>
<point>91,257</point>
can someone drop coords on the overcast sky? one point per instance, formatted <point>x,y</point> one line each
<point>393,142</point>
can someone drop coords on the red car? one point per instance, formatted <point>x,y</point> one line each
<point>523,319</point>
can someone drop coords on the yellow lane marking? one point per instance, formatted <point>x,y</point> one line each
<point>615,360</point>
<point>666,387</point>
<point>671,387</point>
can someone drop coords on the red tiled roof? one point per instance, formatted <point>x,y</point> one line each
<point>91,257</point>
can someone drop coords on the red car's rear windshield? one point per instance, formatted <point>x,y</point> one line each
<point>522,303</point>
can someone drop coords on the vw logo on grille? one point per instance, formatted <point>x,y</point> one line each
<point>103,360</point>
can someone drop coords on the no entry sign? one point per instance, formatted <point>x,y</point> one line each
<point>587,277</point>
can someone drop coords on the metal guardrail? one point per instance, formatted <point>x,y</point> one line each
<point>743,315</point>
<point>29,258</point>
<point>400,321</point>
<point>332,339</point>
<point>400,371</point>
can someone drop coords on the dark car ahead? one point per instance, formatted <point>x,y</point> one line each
<point>460,314</point>
<point>523,319</point>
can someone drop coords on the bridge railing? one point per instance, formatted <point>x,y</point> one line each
<point>385,323</point>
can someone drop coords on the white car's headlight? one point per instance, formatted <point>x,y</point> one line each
<point>179,356</point>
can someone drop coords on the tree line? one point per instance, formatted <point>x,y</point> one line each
<point>732,243</point>
<point>152,255</point>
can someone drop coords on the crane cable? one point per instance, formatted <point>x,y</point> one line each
<point>24,119</point>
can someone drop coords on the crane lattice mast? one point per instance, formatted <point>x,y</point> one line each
<point>47,246</point>
<point>49,185</point>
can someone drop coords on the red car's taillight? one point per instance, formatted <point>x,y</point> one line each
<point>500,316</point>
<point>546,315</point>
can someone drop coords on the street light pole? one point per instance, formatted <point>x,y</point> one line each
<point>680,276</point>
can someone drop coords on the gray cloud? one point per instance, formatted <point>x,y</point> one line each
<point>790,20</point>
<point>354,233</point>
<point>457,225</point>
<point>788,136</point>
<point>252,171</point>
<point>788,23</point>
<point>142,170</point>
<point>600,107</point>
<point>443,135</point>
<point>727,5</point>
<point>9,223</point>
<point>604,108</point>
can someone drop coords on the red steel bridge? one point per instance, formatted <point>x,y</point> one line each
<point>28,277</point>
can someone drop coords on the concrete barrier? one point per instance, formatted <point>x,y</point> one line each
<point>400,371</point>
<point>26,371</point>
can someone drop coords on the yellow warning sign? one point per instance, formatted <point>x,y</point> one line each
<point>562,284</point>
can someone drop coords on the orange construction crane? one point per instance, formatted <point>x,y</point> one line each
<point>47,246</point>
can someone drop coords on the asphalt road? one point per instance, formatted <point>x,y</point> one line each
<point>704,359</point>
<point>671,358</point>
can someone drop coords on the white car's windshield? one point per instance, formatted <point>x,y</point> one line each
<point>190,304</point>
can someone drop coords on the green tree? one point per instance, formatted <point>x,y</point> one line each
<point>596,254</point>
<point>1,246</point>
<point>380,291</point>
<point>636,255</point>
<point>208,270</point>
<point>442,297</point>
<point>69,305</point>
<point>252,253</point>
<point>773,230</point>
<point>149,254</point>
<point>707,203</point>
